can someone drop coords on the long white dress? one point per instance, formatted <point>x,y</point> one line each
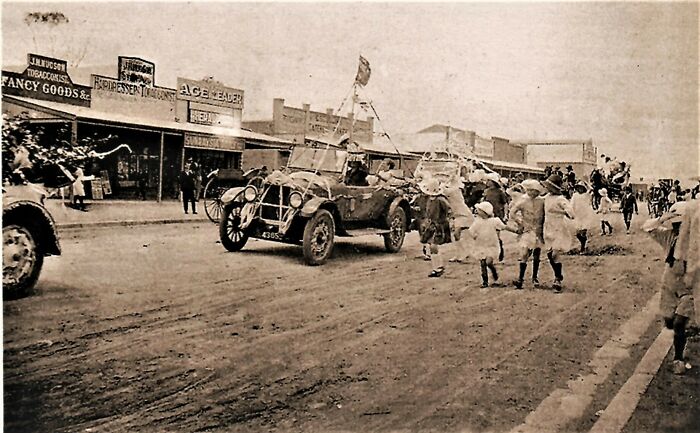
<point>558,225</point>
<point>484,234</point>
<point>584,215</point>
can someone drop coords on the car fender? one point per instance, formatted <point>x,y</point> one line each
<point>231,194</point>
<point>40,221</point>
<point>313,205</point>
<point>400,202</point>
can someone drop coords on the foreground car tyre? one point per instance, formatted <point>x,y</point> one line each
<point>319,235</point>
<point>232,237</point>
<point>393,241</point>
<point>21,261</point>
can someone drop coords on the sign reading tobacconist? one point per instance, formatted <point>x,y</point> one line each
<point>47,79</point>
<point>136,79</point>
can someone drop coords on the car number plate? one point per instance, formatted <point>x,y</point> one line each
<point>272,235</point>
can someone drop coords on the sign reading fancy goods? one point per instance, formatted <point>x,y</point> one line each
<point>209,93</point>
<point>47,79</point>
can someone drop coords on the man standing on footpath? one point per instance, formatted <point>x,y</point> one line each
<point>187,186</point>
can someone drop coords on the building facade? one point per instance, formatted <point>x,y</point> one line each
<point>300,125</point>
<point>199,121</point>
<point>580,154</point>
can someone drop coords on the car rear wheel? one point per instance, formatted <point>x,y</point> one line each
<point>393,241</point>
<point>319,235</point>
<point>21,261</point>
<point>232,237</point>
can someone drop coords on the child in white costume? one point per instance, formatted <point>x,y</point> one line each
<point>584,215</point>
<point>558,227</point>
<point>604,210</point>
<point>528,215</point>
<point>462,220</point>
<point>485,243</point>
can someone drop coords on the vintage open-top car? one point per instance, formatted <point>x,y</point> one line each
<point>29,234</point>
<point>310,203</point>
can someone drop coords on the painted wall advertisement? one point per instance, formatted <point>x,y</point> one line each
<point>47,79</point>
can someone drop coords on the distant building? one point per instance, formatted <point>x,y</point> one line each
<point>299,125</point>
<point>580,154</point>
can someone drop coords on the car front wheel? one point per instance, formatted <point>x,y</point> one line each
<point>319,235</point>
<point>232,237</point>
<point>21,261</point>
<point>397,230</point>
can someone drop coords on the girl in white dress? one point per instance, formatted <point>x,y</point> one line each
<point>558,227</point>
<point>584,215</point>
<point>485,244</point>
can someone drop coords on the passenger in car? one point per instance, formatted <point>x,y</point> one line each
<point>357,174</point>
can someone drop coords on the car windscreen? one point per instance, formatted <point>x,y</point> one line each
<point>307,158</point>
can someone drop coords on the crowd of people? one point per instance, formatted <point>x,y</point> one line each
<point>550,216</point>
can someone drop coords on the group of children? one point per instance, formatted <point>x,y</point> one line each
<point>544,219</point>
<point>541,216</point>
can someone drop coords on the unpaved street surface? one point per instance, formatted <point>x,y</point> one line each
<point>158,328</point>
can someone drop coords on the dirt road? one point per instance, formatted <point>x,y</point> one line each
<point>157,328</point>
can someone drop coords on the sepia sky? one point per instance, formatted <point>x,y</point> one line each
<point>624,74</point>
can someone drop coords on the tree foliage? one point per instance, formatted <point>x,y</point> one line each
<point>30,154</point>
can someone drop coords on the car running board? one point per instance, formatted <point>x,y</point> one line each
<point>364,232</point>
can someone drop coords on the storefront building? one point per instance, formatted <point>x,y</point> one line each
<point>581,155</point>
<point>163,127</point>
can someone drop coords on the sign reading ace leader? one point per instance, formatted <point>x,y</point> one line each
<point>47,79</point>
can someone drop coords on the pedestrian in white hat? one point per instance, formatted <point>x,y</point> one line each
<point>558,227</point>
<point>604,209</point>
<point>435,225</point>
<point>528,215</point>
<point>485,242</point>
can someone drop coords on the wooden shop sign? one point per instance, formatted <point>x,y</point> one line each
<point>47,79</point>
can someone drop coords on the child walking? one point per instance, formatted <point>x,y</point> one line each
<point>485,241</point>
<point>628,205</point>
<point>676,297</point>
<point>584,216</point>
<point>558,227</point>
<point>604,209</point>
<point>435,228</point>
<point>528,215</point>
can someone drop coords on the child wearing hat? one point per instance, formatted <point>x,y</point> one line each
<point>676,302</point>
<point>485,241</point>
<point>528,215</point>
<point>435,227</point>
<point>584,216</point>
<point>558,227</point>
<point>604,209</point>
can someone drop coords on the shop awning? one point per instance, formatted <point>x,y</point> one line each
<point>510,165</point>
<point>71,112</point>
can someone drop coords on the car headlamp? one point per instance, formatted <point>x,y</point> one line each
<point>295,200</point>
<point>250,193</point>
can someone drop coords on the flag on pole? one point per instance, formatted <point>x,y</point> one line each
<point>363,72</point>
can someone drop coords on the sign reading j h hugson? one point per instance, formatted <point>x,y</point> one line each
<point>47,79</point>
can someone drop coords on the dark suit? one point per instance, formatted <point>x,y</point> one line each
<point>187,186</point>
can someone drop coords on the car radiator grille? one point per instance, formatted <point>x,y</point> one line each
<point>275,203</point>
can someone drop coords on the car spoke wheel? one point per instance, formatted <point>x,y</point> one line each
<point>232,237</point>
<point>21,260</point>
<point>393,241</point>
<point>319,235</point>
